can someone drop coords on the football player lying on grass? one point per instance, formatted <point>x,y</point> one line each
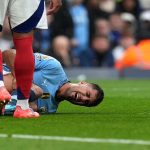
<point>51,82</point>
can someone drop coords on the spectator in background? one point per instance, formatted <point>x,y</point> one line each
<point>130,6</point>
<point>62,23</point>
<point>55,41</point>
<point>127,35</point>
<point>59,23</point>
<point>129,24</point>
<point>102,27</point>
<point>124,42</point>
<point>80,41</point>
<point>110,29</point>
<point>94,12</point>
<point>61,50</point>
<point>102,55</point>
<point>116,27</point>
<point>144,25</point>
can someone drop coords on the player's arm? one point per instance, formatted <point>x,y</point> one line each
<point>35,92</point>
<point>8,58</point>
<point>54,6</point>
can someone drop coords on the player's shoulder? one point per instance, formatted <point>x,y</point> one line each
<point>41,56</point>
<point>50,59</point>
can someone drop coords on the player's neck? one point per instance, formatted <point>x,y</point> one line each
<point>61,92</point>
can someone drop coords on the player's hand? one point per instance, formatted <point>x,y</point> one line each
<point>54,6</point>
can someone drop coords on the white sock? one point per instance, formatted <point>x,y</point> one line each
<point>24,104</point>
<point>1,83</point>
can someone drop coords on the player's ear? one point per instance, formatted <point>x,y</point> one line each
<point>83,82</point>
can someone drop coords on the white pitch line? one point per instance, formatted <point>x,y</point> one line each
<point>3,135</point>
<point>78,139</point>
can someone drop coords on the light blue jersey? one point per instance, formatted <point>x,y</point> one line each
<point>50,76</point>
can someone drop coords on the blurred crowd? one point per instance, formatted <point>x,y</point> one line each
<point>96,33</point>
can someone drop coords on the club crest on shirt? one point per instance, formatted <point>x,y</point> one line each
<point>42,57</point>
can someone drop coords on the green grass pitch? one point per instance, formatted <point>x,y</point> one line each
<point>124,114</point>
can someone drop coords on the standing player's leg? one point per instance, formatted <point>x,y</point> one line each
<point>24,68</point>
<point>32,15</point>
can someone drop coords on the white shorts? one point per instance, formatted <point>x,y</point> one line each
<point>25,15</point>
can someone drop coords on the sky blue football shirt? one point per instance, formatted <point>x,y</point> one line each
<point>50,76</point>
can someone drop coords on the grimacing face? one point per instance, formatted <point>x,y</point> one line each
<point>81,94</point>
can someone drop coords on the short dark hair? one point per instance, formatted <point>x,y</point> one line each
<point>100,94</point>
